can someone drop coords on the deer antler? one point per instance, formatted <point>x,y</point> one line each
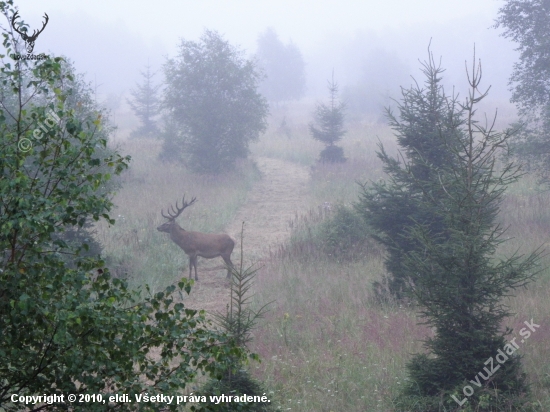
<point>176,213</point>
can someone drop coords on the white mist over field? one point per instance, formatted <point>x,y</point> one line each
<point>367,42</point>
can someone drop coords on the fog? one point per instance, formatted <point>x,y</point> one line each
<point>370,44</point>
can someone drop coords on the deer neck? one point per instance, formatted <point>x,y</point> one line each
<point>176,230</point>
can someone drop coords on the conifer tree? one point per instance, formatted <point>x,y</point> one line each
<point>330,125</point>
<point>239,321</point>
<point>456,280</point>
<point>145,104</point>
<point>428,120</point>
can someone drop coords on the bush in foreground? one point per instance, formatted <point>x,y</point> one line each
<point>66,326</point>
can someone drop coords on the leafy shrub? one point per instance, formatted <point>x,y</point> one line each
<point>212,99</point>
<point>66,326</point>
<point>81,238</point>
<point>343,234</point>
<point>331,232</point>
<point>235,384</point>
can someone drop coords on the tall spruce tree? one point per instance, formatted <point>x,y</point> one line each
<point>428,121</point>
<point>145,104</point>
<point>455,278</point>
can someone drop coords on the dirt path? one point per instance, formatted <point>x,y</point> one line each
<point>271,204</point>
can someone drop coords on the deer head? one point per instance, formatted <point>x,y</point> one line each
<point>29,40</point>
<point>172,215</point>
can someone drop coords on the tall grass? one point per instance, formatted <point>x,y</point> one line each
<point>325,344</point>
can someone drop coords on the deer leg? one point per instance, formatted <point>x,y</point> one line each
<point>195,264</point>
<point>227,260</point>
<point>190,266</point>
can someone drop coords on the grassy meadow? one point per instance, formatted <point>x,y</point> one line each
<point>133,245</point>
<point>326,344</point>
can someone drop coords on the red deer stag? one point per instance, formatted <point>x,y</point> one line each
<point>196,244</point>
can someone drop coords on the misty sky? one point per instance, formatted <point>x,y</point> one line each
<point>111,41</point>
<point>241,21</point>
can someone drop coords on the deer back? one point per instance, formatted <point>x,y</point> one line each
<point>202,244</point>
